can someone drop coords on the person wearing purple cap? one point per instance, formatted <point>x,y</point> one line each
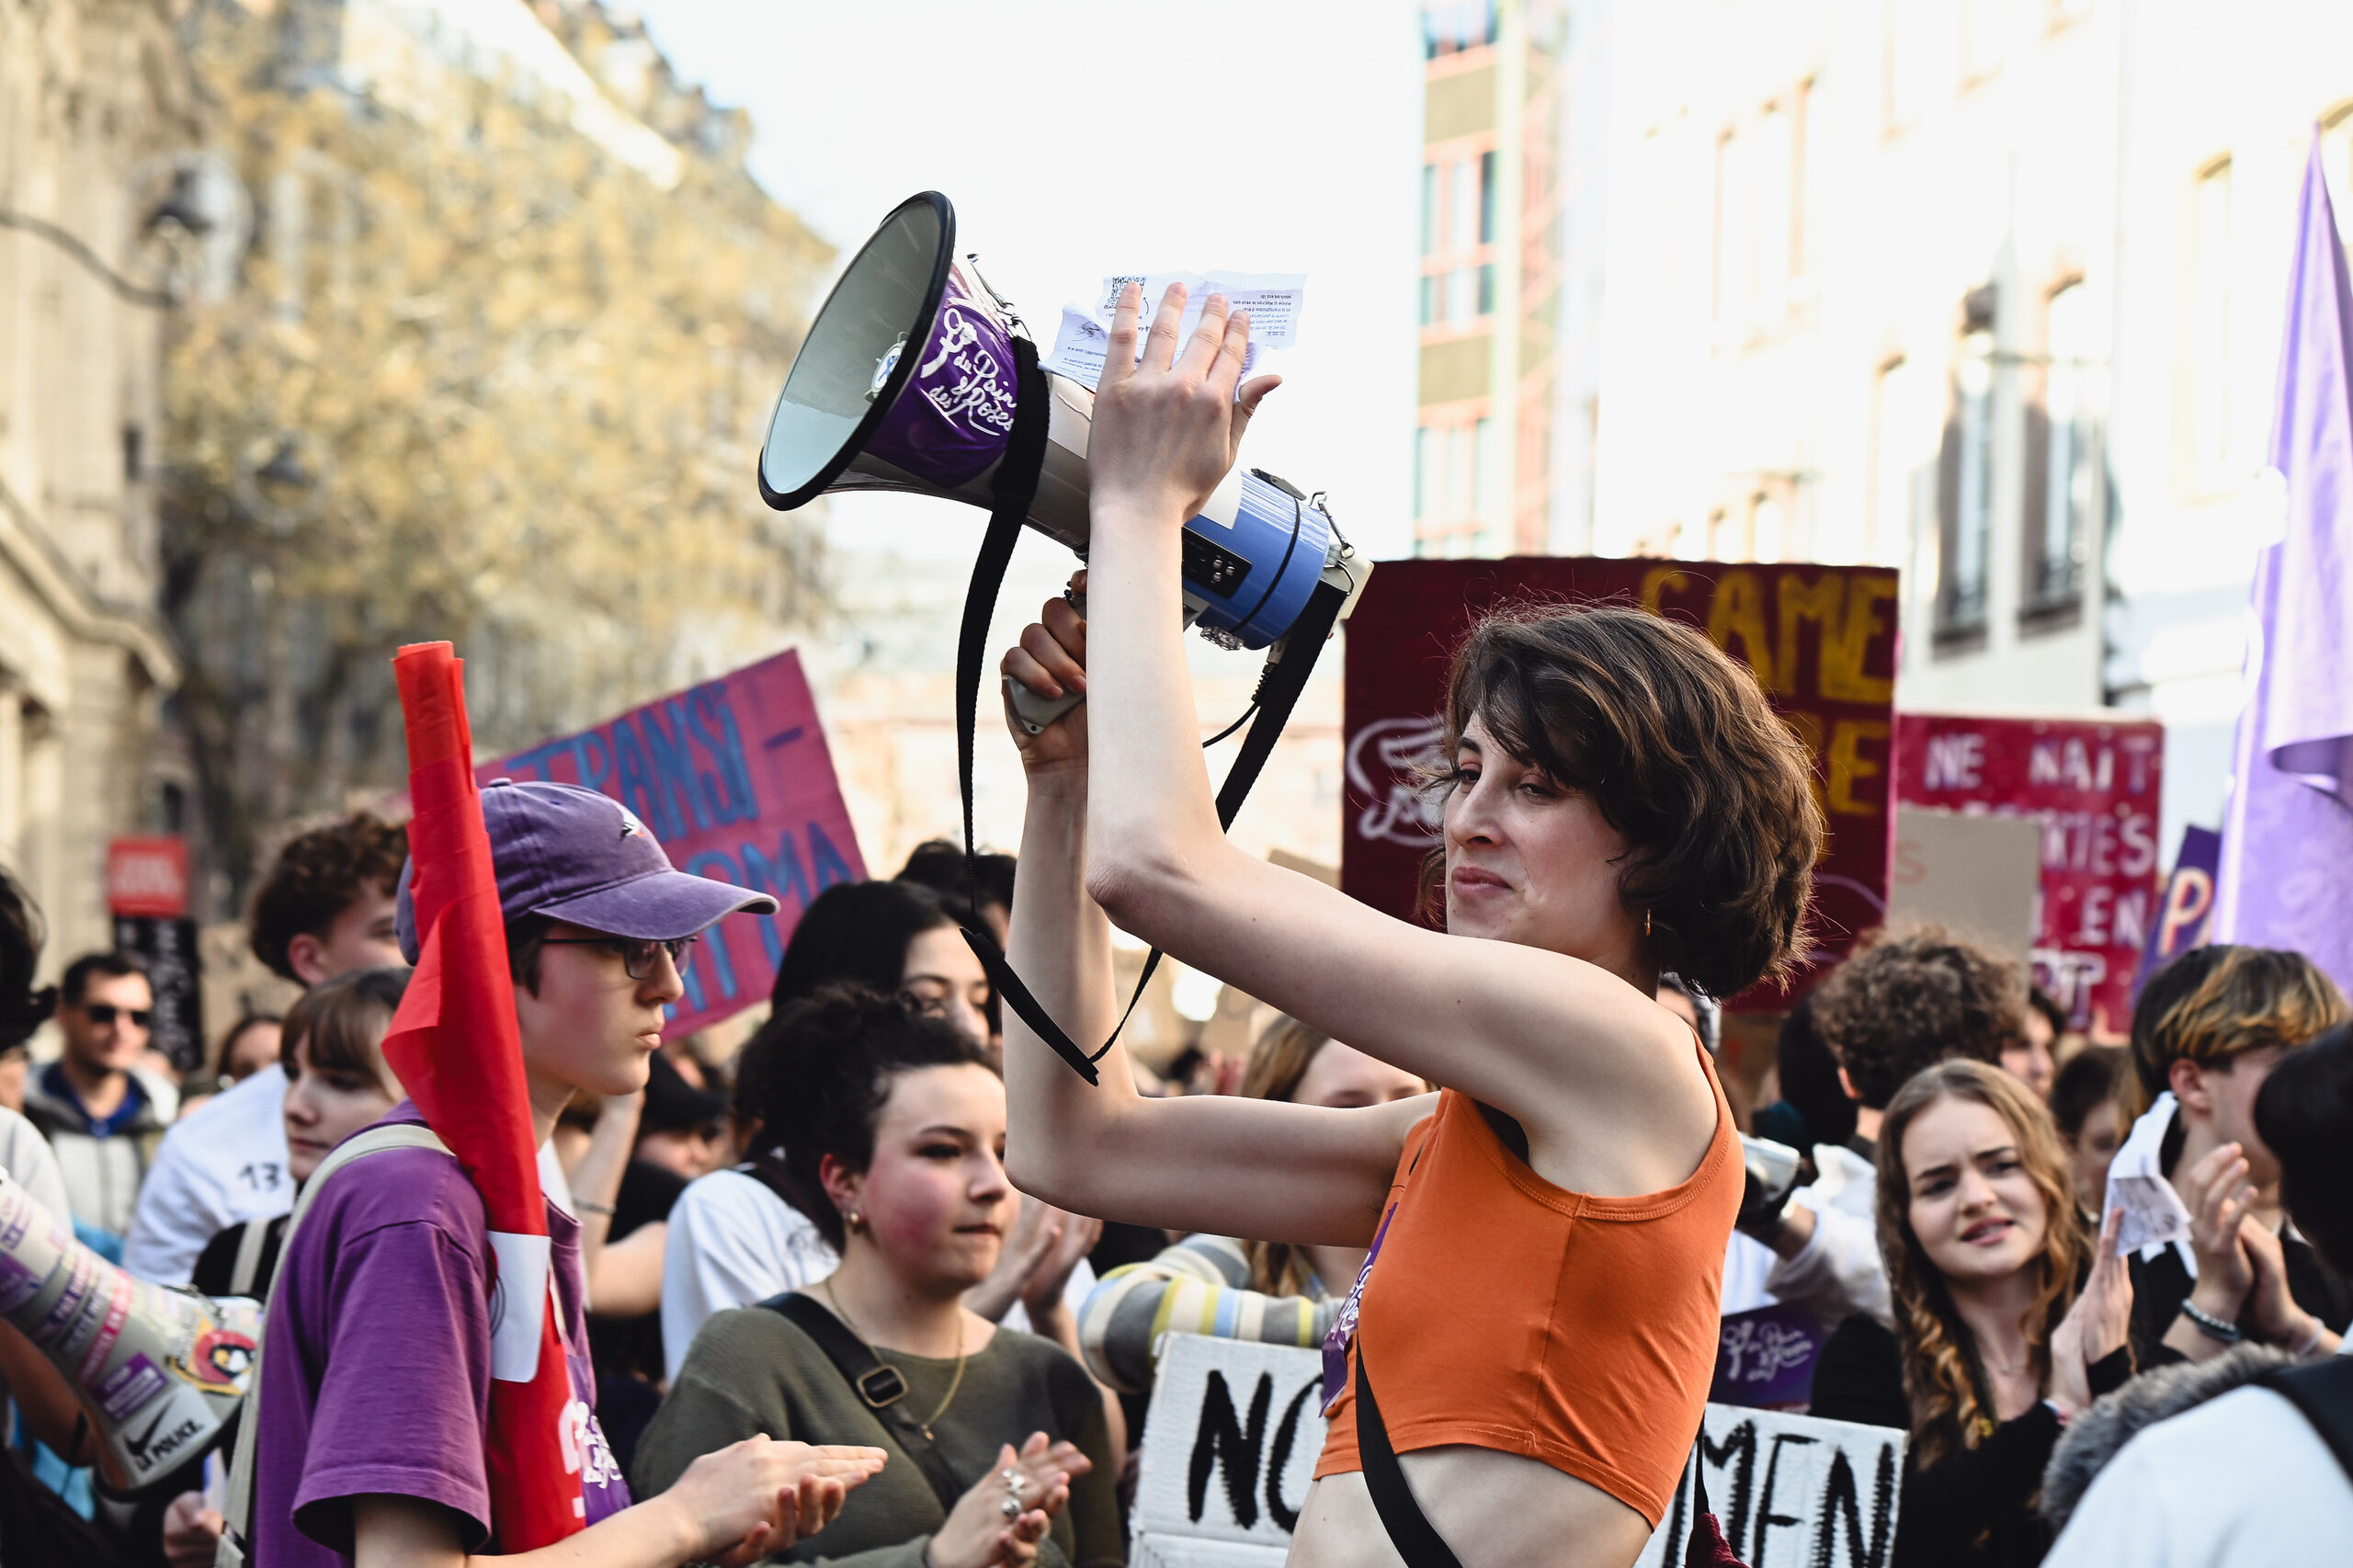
<point>372,1449</point>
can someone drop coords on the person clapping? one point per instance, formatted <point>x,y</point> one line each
<point>998,1443</point>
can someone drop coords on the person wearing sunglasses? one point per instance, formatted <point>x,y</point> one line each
<point>103,1112</point>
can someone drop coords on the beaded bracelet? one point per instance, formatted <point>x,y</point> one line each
<point>2210,1325</point>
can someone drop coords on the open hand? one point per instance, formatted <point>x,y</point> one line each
<point>2095,1327</point>
<point>2218,1195</point>
<point>2273,1314</point>
<point>758,1497</point>
<point>980,1533</point>
<point>1168,426</point>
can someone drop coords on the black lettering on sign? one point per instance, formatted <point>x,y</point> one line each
<point>1740,1440</point>
<point>1286,1433</point>
<point>1765,1517</point>
<point>1224,1444</point>
<point>1838,1497</point>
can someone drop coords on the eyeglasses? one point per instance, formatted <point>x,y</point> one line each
<point>637,955</point>
<point>107,1013</point>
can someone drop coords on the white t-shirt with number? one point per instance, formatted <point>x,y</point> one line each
<point>222,1164</point>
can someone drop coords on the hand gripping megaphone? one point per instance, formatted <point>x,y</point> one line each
<point>158,1371</point>
<point>908,381</point>
<point>916,377</point>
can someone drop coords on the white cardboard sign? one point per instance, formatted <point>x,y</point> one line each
<point>1235,1429</point>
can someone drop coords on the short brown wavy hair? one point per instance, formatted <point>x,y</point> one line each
<point>2214,1002</point>
<point>1907,1000</point>
<point>319,875</point>
<point>1675,745</point>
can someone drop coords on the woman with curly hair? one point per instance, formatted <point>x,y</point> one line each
<point>2007,1321</point>
<point>1538,1310</point>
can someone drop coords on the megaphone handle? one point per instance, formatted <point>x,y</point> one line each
<point>1037,711</point>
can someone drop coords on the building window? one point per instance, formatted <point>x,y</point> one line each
<point>1776,209</point>
<point>1488,197</point>
<point>1486,288</point>
<point>1903,64</point>
<point>1966,512</point>
<point>2062,484</point>
<point>1765,526</point>
<point>1982,26</point>
<point>1430,227</point>
<point>1735,227</point>
<point>2210,362</point>
<point>1430,299</point>
<point>1894,458</point>
<point>1451,26</point>
<point>2337,163</point>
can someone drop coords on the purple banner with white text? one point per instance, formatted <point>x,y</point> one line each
<point>734,778</point>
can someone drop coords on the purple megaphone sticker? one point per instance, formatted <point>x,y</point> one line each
<point>952,418</point>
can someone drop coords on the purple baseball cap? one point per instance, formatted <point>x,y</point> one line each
<point>574,854</point>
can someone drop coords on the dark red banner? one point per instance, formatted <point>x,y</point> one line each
<point>2095,785</point>
<point>1821,639</point>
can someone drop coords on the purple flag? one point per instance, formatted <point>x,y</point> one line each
<point>2286,878</point>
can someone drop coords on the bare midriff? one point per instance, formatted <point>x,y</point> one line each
<point>1495,1510</point>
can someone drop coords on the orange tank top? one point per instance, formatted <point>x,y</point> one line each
<point>1503,1311</point>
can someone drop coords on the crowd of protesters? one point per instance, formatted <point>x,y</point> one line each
<point>1945,1229</point>
<point>882,1286</point>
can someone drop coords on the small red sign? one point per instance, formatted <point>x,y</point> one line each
<point>2095,785</point>
<point>147,876</point>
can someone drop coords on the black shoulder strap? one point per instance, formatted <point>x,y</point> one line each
<point>1015,486</point>
<point>878,1387</point>
<point>2324,1390</point>
<point>1410,1531</point>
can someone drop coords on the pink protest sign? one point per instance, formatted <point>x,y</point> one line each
<point>734,779</point>
<point>2095,786</point>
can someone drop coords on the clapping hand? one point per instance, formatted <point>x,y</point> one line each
<point>2218,1199</point>
<point>1000,1521</point>
<point>2095,1327</point>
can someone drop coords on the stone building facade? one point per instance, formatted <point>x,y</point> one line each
<point>96,118</point>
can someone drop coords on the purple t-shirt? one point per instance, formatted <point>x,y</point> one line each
<point>377,1360</point>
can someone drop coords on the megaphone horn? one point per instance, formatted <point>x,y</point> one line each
<point>157,1371</point>
<point>906,383</point>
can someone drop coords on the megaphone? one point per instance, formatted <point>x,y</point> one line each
<point>158,1371</point>
<point>906,382</point>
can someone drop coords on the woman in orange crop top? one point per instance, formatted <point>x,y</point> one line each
<point>1538,1315</point>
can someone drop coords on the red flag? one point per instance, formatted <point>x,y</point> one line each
<point>456,1047</point>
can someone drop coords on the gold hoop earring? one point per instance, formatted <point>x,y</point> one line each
<point>1646,921</point>
<point>853,1219</point>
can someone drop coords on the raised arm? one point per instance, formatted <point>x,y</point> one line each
<point>1582,1055</point>
<point>1208,1162</point>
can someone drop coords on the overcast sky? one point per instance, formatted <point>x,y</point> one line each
<point>1078,139</point>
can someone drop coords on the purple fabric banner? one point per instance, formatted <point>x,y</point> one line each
<point>2286,876</point>
<point>734,778</point>
<point>2186,913</point>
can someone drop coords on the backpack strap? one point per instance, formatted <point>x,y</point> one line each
<point>878,1387</point>
<point>251,1244</point>
<point>2323,1390</point>
<point>238,1509</point>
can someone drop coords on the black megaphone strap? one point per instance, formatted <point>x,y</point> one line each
<point>1016,486</point>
